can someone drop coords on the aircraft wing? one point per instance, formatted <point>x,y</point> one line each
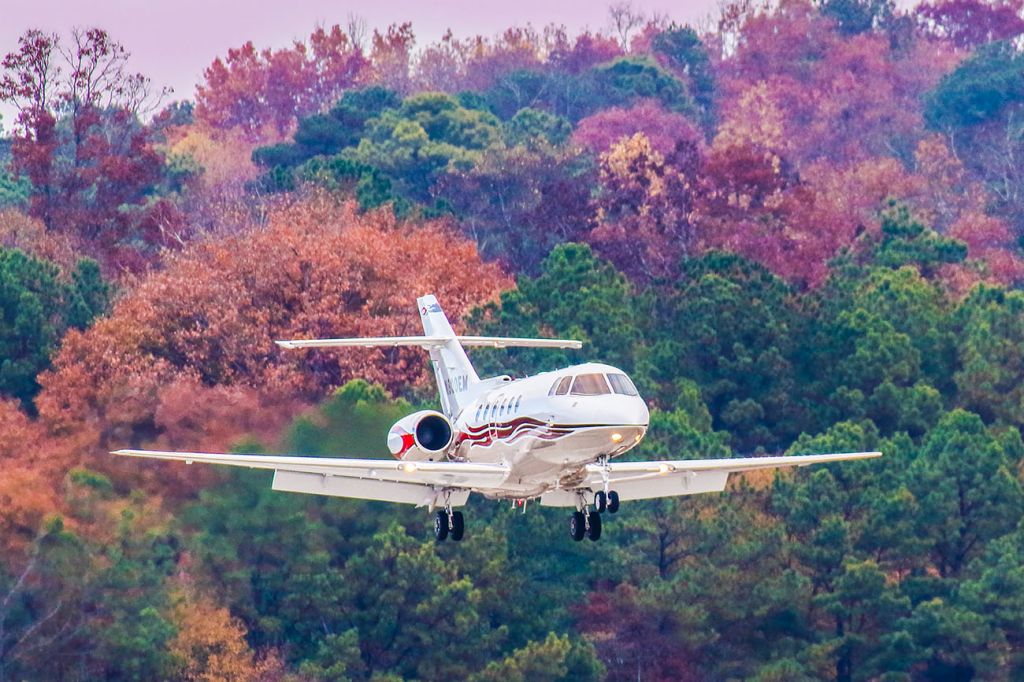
<point>369,479</point>
<point>668,478</point>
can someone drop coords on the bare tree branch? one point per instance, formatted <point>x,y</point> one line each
<point>625,18</point>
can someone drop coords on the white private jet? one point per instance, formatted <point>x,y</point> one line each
<point>549,437</point>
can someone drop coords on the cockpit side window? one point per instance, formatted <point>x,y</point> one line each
<point>622,385</point>
<point>554,386</point>
<point>590,384</point>
<point>563,386</point>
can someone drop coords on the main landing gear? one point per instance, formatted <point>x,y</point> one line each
<point>588,523</point>
<point>449,524</point>
<point>606,501</point>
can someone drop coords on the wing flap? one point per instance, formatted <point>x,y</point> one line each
<point>362,489</point>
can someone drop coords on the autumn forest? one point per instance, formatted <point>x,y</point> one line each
<point>798,226</point>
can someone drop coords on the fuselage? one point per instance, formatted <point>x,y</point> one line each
<point>545,428</point>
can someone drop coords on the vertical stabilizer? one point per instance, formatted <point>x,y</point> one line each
<point>455,375</point>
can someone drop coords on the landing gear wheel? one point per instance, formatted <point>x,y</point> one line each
<point>458,526</point>
<point>577,526</point>
<point>600,501</point>
<point>440,525</point>
<point>613,502</point>
<point>594,531</point>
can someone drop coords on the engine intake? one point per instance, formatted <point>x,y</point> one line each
<point>421,435</point>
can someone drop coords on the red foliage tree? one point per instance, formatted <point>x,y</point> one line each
<point>515,49</point>
<point>263,92</point>
<point>638,636</point>
<point>79,141</point>
<point>391,57</point>
<point>586,51</point>
<point>969,23</point>
<point>479,63</point>
<point>664,130</point>
<point>841,98</point>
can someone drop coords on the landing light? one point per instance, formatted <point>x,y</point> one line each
<point>664,468</point>
<point>409,467</point>
<point>616,437</point>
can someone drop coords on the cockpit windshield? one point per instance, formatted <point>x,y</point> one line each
<point>561,386</point>
<point>622,385</point>
<point>590,384</point>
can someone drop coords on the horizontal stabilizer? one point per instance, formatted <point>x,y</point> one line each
<point>431,342</point>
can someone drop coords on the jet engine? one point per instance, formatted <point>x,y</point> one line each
<point>422,435</point>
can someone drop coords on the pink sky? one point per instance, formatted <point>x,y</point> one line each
<point>172,42</point>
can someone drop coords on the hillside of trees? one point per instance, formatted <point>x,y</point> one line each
<point>799,228</point>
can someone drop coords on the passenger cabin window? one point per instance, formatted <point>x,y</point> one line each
<point>501,409</point>
<point>478,410</point>
<point>590,384</point>
<point>563,386</point>
<point>622,385</point>
<point>519,401</point>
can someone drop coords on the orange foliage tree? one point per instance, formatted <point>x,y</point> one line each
<point>210,645</point>
<point>21,231</point>
<point>197,338</point>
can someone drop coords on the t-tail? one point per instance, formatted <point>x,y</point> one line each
<point>457,381</point>
<point>456,378</point>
